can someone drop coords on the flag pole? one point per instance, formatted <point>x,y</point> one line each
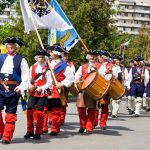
<point>83,44</point>
<point>38,35</point>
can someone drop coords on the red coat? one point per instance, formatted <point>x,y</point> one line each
<point>38,82</point>
<point>85,69</point>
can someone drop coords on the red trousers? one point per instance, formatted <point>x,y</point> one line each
<point>86,117</point>
<point>1,124</point>
<point>9,126</point>
<point>45,123</point>
<point>56,120</point>
<point>63,113</point>
<point>39,125</point>
<point>96,117</point>
<point>104,116</point>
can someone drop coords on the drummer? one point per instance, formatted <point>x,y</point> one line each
<point>85,105</point>
<point>117,73</point>
<point>106,71</point>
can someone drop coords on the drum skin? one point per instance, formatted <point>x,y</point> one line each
<point>95,85</point>
<point>116,90</point>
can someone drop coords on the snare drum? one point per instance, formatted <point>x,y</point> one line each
<point>116,90</point>
<point>95,85</point>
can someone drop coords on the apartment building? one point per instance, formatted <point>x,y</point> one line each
<point>132,14</point>
<point>8,12</point>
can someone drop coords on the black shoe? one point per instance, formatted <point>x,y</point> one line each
<point>88,132</point>
<point>53,133</point>
<point>81,130</point>
<point>136,116</point>
<point>131,112</point>
<point>109,113</point>
<point>62,123</point>
<point>28,135</point>
<point>49,122</point>
<point>95,126</point>
<point>37,137</point>
<point>5,142</point>
<point>147,109</point>
<point>34,123</point>
<point>114,116</point>
<point>1,136</point>
<point>127,108</point>
<point>144,107</point>
<point>45,131</point>
<point>103,128</point>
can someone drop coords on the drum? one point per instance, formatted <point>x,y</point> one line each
<point>95,85</point>
<point>116,90</point>
<point>73,89</point>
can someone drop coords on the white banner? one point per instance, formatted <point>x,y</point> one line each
<point>43,15</point>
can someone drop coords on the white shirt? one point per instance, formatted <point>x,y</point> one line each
<point>68,73</point>
<point>78,73</point>
<point>116,70</point>
<point>8,66</point>
<point>146,77</point>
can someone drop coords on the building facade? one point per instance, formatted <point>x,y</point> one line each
<point>6,14</point>
<point>132,14</point>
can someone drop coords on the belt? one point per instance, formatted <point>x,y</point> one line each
<point>8,82</point>
<point>137,82</point>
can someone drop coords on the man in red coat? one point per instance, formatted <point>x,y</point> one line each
<point>39,81</point>
<point>64,78</point>
<point>85,105</point>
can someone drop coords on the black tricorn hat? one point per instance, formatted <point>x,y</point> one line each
<point>41,52</point>
<point>92,52</point>
<point>119,57</point>
<point>46,46</point>
<point>104,53</point>
<point>138,58</point>
<point>56,47</point>
<point>12,39</point>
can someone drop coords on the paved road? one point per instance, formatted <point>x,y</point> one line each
<point>123,133</point>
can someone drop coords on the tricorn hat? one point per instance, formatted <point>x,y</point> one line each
<point>13,40</point>
<point>41,52</point>
<point>92,52</point>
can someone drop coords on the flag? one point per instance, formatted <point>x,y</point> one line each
<point>2,49</point>
<point>68,38</point>
<point>125,44</point>
<point>43,16</point>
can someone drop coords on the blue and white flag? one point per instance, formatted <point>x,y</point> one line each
<point>68,38</point>
<point>43,16</point>
<point>126,44</point>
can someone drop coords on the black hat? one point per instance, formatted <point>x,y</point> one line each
<point>92,52</point>
<point>119,57</point>
<point>104,53</point>
<point>55,47</point>
<point>138,58</point>
<point>46,46</point>
<point>13,40</point>
<point>41,52</point>
<point>131,61</point>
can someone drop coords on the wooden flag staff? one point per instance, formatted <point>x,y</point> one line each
<point>63,100</point>
<point>84,44</point>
